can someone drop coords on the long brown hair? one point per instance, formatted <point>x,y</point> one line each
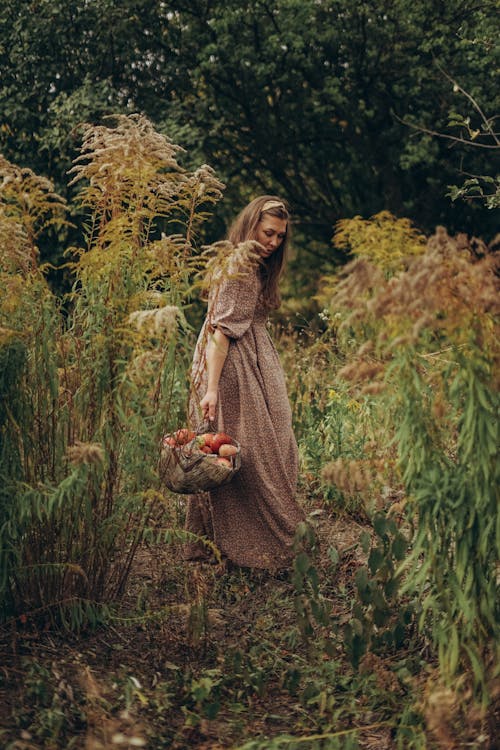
<point>244,228</point>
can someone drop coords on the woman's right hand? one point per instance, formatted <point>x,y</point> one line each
<point>208,405</point>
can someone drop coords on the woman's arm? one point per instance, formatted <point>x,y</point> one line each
<point>217,349</point>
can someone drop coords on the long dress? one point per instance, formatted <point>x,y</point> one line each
<point>253,519</point>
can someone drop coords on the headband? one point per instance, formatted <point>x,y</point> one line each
<point>272,204</point>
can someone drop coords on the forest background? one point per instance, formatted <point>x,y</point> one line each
<point>325,103</point>
<point>376,122</point>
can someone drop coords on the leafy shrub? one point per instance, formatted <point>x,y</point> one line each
<point>427,343</point>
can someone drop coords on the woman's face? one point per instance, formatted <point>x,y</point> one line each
<point>270,233</point>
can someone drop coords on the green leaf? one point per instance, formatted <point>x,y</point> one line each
<point>380,525</point>
<point>399,635</point>
<point>357,627</point>
<point>361,578</point>
<point>358,647</point>
<point>378,599</point>
<point>399,546</point>
<point>333,556</point>
<point>453,651</point>
<point>302,563</point>
<point>365,541</point>
<point>358,611</point>
<point>381,616</point>
<point>391,587</point>
<point>375,560</point>
<point>476,663</point>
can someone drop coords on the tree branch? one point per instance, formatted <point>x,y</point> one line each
<point>474,103</point>
<point>455,139</point>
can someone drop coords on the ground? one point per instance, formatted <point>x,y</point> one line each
<point>206,658</point>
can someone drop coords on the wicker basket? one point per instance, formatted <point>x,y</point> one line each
<point>185,470</point>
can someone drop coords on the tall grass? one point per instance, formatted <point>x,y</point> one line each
<point>86,398</point>
<point>421,336</point>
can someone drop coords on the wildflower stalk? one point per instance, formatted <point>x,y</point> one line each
<point>90,399</point>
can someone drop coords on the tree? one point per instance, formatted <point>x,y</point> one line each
<point>303,97</point>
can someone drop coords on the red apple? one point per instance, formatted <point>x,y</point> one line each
<point>183,436</point>
<point>206,439</point>
<point>220,438</point>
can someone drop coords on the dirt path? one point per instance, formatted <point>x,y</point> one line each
<point>209,659</point>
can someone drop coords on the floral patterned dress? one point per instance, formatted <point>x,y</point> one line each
<point>253,519</point>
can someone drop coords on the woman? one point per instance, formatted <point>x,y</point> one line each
<point>240,385</point>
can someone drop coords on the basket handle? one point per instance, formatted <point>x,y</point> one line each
<point>207,426</point>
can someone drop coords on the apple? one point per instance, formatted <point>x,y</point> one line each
<point>184,436</point>
<point>223,461</point>
<point>206,439</point>
<point>220,438</point>
<point>228,450</point>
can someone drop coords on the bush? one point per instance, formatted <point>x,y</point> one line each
<point>427,349</point>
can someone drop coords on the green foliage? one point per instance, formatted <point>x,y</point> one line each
<point>383,239</point>
<point>457,498</point>
<point>310,605</point>
<point>427,337</point>
<point>312,100</point>
<point>90,396</point>
<point>86,391</point>
<point>483,188</point>
<point>380,617</point>
<point>329,423</point>
<point>53,712</point>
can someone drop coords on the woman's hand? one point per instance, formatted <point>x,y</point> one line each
<point>208,405</point>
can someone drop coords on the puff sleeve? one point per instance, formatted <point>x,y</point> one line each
<point>233,305</point>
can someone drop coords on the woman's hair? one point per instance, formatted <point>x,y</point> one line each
<point>244,228</point>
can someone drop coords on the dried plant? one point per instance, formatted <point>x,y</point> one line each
<point>28,205</point>
<point>86,399</point>
<point>353,476</point>
<point>85,453</point>
<point>426,344</point>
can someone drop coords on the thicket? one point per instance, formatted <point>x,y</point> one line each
<point>410,421</point>
<point>395,398</point>
<point>89,387</point>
